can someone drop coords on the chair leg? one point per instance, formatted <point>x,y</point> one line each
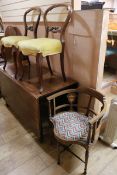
<point>15,63</point>
<point>39,60</point>
<point>4,56</point>
<point>59,154</point>
<point>49,66</point>
<point>86,160</point>
<point>19,58</point>
<point>29,65</point>
<point>62,65</point>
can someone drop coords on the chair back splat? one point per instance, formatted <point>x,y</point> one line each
<point>74,115</point>
<point>33,24</point>
<point>59,28</point>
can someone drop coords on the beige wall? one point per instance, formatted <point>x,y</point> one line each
<point>115,4</point>
<point>108,3</point>
<point>12,11</point>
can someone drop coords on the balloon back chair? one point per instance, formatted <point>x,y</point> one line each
<point>75,122</point>
<point>45,47</point>
<point>30,24</point>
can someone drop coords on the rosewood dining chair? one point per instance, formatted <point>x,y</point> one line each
<point>48,46</point>
<point>12,41</point>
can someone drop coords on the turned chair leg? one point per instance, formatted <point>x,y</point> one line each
<point>39,61</point>
<point>15,63</point>
<point>59,153</point>
<point>29,65</point>
<point>62,65</point>
<point>19,58</point>
<point>4,56</point>
<point>86,160</point>
<point>49,65</point>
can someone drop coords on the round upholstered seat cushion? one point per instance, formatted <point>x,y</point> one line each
<point>45,46</point>
<point>70,126</point>
<point>10,41</point>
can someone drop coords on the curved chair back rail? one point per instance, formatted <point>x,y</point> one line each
<point>32,25</point>
<point>55,29</point>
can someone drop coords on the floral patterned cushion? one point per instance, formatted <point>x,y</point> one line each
<point>70,126</point>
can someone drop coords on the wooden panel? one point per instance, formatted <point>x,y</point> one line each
<point>13,11</point>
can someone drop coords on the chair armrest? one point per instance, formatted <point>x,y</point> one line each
<point>99,116</point>
<point>95,119</point>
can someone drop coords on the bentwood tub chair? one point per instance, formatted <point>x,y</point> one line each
<point>75,122</point>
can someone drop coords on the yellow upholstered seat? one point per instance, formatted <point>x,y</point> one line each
<point>45,46</point>
<point>10,41</point>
